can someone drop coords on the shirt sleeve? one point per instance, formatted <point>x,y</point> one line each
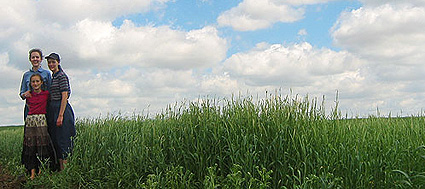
<point>48,80</point>
<point>63,83</point>
<point>24,86</point>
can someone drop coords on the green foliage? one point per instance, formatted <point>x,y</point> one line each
<point>277,142</point>
<point>11,140</point>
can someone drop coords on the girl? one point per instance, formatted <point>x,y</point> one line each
<point>37,143</point>
<point>61,116</point>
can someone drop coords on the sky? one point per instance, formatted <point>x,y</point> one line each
<point>138,57</point>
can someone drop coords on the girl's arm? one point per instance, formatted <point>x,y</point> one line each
<point>64,101</point>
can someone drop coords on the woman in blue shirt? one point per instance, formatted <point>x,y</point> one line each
<point>35,57</point>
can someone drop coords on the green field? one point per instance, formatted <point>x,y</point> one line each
<point>278,142</point>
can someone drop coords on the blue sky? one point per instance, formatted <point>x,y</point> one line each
<point>194,14</point>
<point>138,56</point>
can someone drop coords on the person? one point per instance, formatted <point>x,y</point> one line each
<point>37,145</point>
<point>35,57</point>
<point>61,122</point>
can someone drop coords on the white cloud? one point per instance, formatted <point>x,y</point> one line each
<point>220,84</point>
<point>391,37</point>
<point>302,32</point>
<point>254,14</point>
<point>260,14</point>
<point>374,3</point>
<point>73,11</point>
<point>134,90</point>
<point>59,24</point>
<point>11,105</point>
<point>10,74</point>
<point>95,42</point>
<point>303,2</point>
<point>299,64</point>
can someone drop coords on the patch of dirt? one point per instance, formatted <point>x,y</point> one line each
<point>8,181</point>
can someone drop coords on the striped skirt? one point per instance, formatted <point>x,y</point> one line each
<point>37,143</point>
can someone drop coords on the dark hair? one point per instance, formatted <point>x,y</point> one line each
<point>35,50</point>
<point>43,85</point>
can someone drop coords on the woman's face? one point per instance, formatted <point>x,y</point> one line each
<point>35,59</point>
<point>53,65</point>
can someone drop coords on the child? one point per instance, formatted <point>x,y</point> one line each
<point>37,143</point>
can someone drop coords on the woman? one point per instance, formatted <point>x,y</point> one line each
<point>60,114</point>
<point>35,57</point>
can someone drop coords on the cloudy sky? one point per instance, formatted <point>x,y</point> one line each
<point>138,56</point>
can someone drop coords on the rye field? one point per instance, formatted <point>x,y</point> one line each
<point>277,142</point>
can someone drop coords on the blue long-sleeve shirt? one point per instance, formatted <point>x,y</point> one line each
<point>25,84</point>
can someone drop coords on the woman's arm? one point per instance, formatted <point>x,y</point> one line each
<point>64,101</point>
<point>49,81</point>
<point>24,91</point>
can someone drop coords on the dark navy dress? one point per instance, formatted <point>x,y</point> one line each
<point>62,136</point>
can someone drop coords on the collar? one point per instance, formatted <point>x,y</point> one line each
<point>35,93</point>
<point>40,70</point>
<point>55,74</point>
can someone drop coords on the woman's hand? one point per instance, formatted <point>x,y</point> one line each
<point>59,121</point>
<point>64,101</point>
<point>27,94</point>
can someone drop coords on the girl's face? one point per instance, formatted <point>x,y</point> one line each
<point>35,59</point>
<point>53,65</point>
<point>36,83</point>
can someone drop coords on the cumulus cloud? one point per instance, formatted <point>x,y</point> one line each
<point>73,11</point>
<point>219,84</point>
<point>299,64</point>
<point>94,44</point>
<point>260,14</point>
<point>11,74</point>
<point>25,23</point>
<point>374,3</point>
<point>391,37</point>
<point>10,102</point>
<point>302,32</point>
<point>253,15</point>
<point>132,45</point>
<point>134,89</point>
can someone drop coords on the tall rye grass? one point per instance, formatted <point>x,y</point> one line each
<point>277,142</point>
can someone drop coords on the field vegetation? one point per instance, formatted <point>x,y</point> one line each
<point>277,142</point>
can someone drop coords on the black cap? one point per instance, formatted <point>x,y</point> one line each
<point>53,56</point>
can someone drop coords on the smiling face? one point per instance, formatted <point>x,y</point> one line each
<point>53,65</point>
<point>36,82</point>
<point>35,59</point>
